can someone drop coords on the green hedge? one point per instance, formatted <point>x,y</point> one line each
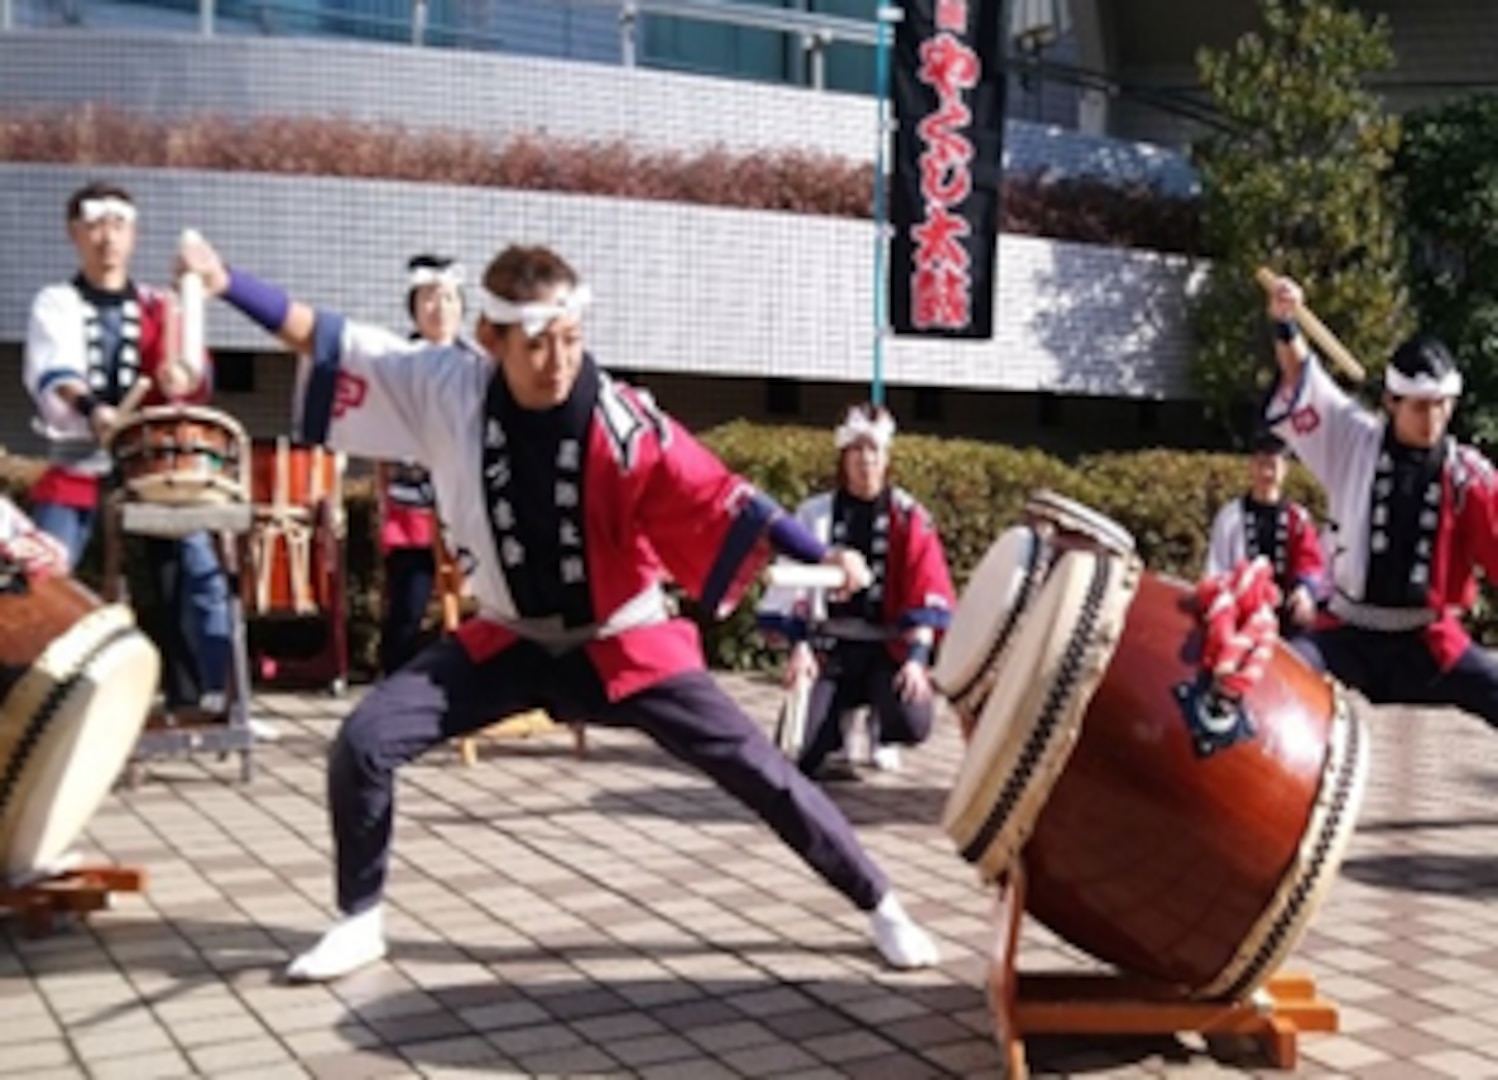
<point>974,491</point>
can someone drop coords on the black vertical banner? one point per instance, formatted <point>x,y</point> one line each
<point>948,162</point>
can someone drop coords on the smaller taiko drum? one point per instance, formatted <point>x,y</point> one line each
<point>297,496</point>
<point>181,455</point>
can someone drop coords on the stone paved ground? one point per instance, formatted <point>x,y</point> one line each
<point>618,917</point>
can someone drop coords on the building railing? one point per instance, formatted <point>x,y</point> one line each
<point>420,22</point>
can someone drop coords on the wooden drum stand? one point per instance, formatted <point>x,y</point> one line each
<point>78,892</point>
<point>1111,1003</point>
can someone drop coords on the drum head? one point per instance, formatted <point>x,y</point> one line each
<point>66,730</point>
<point>1032,719</point>
<point>1072,516</point>
<point>1001,587</point>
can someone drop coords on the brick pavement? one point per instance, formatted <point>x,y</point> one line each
<point>618,917</point>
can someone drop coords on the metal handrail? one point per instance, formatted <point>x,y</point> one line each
<point>816,32</point>
<point>783,20</point>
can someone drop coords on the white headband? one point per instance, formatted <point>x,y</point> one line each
<point>534,315</point>
<point>92,210</point>
<point>451,274</point>
<point>880,432</point>
<point>1399,384</point>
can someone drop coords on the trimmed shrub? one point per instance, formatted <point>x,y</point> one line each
<point>973,490</point>
<point>1086,209</point>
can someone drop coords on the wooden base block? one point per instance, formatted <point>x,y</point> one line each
<point>77,892</point>
<point>522,726</point>
<point>1107,1003</point>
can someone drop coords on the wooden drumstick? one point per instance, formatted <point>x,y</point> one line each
<point>194,300</point>
<point>1330,345</point>
<point>806,576</point>
<point>134,396</point>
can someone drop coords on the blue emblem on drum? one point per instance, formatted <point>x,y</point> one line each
<point>13,579</point>
<point>1214,720</point>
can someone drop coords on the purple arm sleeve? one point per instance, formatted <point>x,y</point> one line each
<point>265,304</point>
<point>789,537</point>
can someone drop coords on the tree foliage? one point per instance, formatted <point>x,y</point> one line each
<point>1300,183</point>
<point>1448,162</point>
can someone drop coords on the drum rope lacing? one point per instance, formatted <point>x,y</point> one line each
<point>1240,627</point>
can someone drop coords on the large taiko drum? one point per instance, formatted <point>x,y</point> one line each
<point>297,497</point>
<point>1175,834</point>
<point>76,682</point>
<point>181,455</point>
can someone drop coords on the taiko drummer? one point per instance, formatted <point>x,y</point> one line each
<point>88,342</point>
<point>569,496</point>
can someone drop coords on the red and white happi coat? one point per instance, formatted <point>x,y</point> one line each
<point>1341,443</point>
<point>1295,554</point>
<point>911,574</point>
<point>62,346</point>
<point>655,505</point>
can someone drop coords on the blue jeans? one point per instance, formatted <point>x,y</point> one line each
<point>205,591</point>
<point>72,526</point>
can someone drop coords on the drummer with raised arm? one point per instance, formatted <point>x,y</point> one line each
<point>1416,514</point>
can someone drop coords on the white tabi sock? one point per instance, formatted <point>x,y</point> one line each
<point>353,942</point>
<point>902,943</point>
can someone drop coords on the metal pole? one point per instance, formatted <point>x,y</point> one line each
<point>629,16</point>
<point>206,15</point>
<point>7,15</point>
<point>418,22</point>
<point>883,46</point>
<point>814,51</point>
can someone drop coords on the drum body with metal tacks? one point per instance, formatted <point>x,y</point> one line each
<point>181,455</point>
<point>77,679</point>
<point>297,492</point>
<point>1180,836</point>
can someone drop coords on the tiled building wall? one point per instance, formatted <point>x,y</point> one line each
<point>679,289</point>
<point>494,96</point>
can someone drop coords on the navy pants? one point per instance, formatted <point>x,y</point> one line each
<point>1398,669</point>
<point>854,674</point>
<point>442,694</point>
<point>409,574</point>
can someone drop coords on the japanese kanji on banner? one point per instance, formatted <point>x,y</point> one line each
<point>944,202</point>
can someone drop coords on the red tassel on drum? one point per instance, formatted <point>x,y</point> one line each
<point>1239,625</point>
